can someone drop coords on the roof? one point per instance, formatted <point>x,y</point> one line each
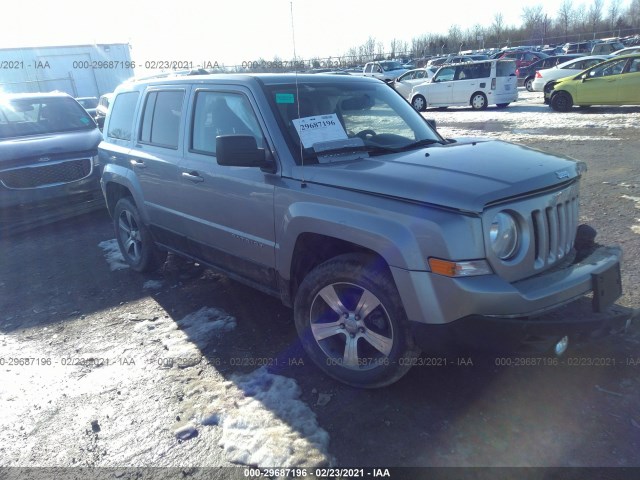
<point>13,96</point>
<point>264,78</point>
<point>38,47</point>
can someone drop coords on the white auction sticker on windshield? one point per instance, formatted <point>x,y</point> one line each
<point>321,128</point>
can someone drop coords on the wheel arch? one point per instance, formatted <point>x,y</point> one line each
<point>118,182</point>
<point>313,235</point>
<point>479,92</point>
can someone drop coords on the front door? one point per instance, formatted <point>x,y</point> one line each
<point>228,211</point>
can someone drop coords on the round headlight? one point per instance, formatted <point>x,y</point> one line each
<point>503,235</point>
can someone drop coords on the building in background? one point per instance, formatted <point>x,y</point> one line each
<point>79,70</point>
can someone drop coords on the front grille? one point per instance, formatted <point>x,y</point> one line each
<point>49,174</point>
<point>554,230</point>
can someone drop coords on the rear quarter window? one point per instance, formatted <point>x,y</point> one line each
<point>121,117</point>
<point>505,69</point>
<point>161,118</point>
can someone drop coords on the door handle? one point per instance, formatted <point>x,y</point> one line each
<point>137,163</point>
<point>192,177</point>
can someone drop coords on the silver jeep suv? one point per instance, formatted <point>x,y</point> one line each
<point>333,194</point>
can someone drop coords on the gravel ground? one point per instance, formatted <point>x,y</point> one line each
<point>186,368</point>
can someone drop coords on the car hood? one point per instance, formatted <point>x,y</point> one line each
<point>467,175</point>
<point>22,150</point>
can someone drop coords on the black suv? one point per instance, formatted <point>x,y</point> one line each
<point>527,74</point>
<point>48,159</point>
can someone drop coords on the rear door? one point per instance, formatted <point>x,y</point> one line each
<point>154,158</point>
<point>470,78</point>
<point>629,90</point>
<point>506,82</point>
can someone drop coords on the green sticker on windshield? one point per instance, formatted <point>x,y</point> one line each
<point>285,98</point>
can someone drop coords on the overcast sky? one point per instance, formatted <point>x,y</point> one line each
<point>233,31</point>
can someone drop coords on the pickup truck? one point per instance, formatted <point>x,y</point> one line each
<point>385,70</point>
<point>334,195</point>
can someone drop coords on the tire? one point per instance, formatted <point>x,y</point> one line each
<point>478,101</point>
<point>419,103</point>
<point>528,84</point>
<point>561,101</point>
<point>369,352</point>
<point>502,105</point>
<point>134,239</point>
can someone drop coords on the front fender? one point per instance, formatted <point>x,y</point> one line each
<point>391,240</point>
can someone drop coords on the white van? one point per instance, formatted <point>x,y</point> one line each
<point>479,84</point>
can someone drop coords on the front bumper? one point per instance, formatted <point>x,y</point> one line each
<point>435,299</point>
<point>525,335</point>
<point>26,209</point>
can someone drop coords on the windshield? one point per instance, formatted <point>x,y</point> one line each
<point>88,102</point>
<point>343,116</point>
<point>36,116</point>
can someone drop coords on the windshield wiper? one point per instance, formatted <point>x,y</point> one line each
<point>420,143</point>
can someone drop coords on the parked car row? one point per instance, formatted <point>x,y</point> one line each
<point>478,84</point>
<point>613,82</point>
<point>570,67</point>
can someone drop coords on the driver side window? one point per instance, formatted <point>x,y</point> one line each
<point>614,68</point>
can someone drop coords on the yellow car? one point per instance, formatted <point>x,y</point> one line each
<point>613,82</point>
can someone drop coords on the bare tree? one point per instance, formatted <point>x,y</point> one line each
<point>454,38</point>
<point>614,14</point>
<point>633,14</point>
<point>533,19</point>
<point>565,17</point>
<point>497,28</point>
<point>594,15</point>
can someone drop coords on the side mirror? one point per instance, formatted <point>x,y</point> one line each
<point>241,151</point>
<point>431,122</point>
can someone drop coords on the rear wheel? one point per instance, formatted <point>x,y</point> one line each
<point>478,101</point>
<point>351,322</point>
<point>134,239</point>
<point>419,103</point>
<point>528,84</point>
<point>561,101</point>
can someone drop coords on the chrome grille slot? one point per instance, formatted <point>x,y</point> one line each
<point>36,176</point>
<point>554,231</point>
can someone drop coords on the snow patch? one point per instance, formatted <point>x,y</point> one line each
<point>634,228</point>
<point>112,254</point>
<point>265,423</point>
<point>152,284</point>
<point>205,321</point>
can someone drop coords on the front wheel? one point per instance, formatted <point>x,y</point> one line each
<point>561,101</point>
<point>419,103</point>
<point>478,101</point>
<point>134,239</point>
<point>351,322</point>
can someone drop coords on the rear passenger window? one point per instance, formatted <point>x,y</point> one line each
<point>218,113</point>
<point>477,70</point>
<point>161,118</point>
<point>121,116</point>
